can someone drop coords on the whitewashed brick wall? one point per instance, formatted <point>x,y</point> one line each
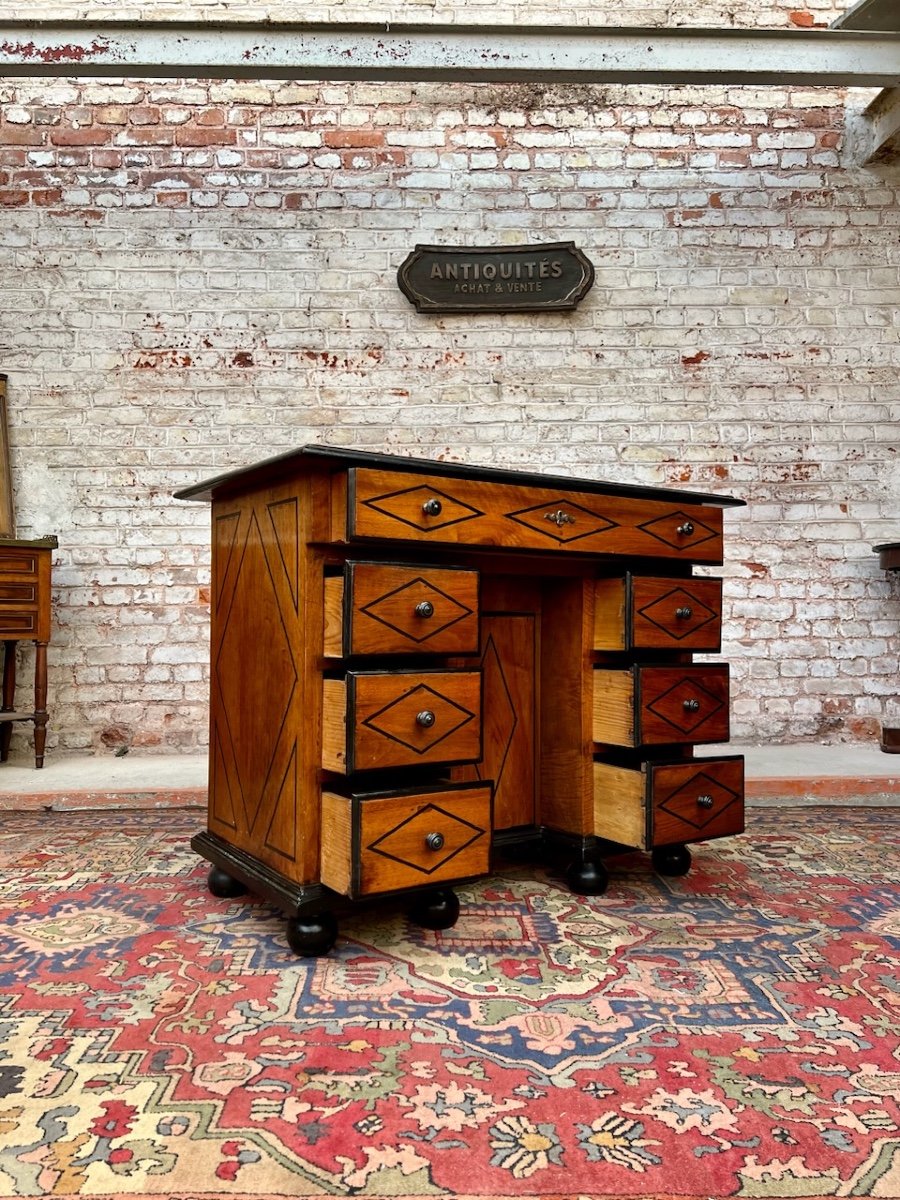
<point>727,13</point>
<point>199,275</point>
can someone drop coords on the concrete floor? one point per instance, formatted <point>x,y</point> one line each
<point>804,773</point>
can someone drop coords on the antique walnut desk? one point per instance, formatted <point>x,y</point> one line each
<point>25,615</point>
<point>416,661</point>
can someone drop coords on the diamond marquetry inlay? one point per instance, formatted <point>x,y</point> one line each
<point>397,720</point>
<point>666,529</point>
<point>562,521</point>
<point>397,610</point>
<point>407,506</point>
<point>457,834</point>
<point>682,805</point>
<point>251,719</point>
<point>659,613</point>
<point>670,706</point>
<point>502,713</point>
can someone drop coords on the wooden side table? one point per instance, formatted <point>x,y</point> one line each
<point>25,615</point>
<point>889,560</point>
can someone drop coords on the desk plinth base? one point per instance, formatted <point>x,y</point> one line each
<point>312,925</point>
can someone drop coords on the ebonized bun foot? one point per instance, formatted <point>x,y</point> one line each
<point>587,877</point>
<point>312,934</point>
<point>671,860</point>
<point>223,885</point>
<point>436,910</point>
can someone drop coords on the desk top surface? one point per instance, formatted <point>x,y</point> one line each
<point>43,543</point>
<point>311,456</point>
<point>888,555</point>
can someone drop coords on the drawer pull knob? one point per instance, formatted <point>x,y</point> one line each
<point>705,801</point>
<point>686,529</point>
<point>425,718</point>
<point>684,612</point>
<point>432,508</point>
<point>434,841</point>
<point>560,518</point>
<point>424,609</point>
<point>691,705</point>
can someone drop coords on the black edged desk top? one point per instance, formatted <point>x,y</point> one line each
<point>42,543</point>
<point>304,457</point>
<point>888,555</point>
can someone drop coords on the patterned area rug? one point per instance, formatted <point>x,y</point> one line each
<point>733,1033</point>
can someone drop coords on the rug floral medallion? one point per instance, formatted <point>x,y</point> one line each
<point>732,1033</point>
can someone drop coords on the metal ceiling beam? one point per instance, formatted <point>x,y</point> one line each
<point>520,53</point>
<point>871,14</point>
<point>874,135</point>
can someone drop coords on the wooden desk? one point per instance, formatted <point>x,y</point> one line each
<point>25,614</point>
<point>415,663</point>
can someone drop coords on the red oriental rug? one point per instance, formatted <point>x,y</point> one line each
<point>733,1033</point>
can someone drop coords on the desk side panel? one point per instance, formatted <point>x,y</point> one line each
<point>43,591</point>
<point>265,712</point>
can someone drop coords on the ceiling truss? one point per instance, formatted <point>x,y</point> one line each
<point>521,54</point>
<point>871,14</point>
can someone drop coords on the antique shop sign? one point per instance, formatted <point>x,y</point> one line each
<point>544,278</point>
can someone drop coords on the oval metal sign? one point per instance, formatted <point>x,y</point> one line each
<point>547,278</point>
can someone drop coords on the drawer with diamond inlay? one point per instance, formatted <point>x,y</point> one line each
<point>377,843</point>
<point>663,804</point>
<point>641,612</point>
<point>383,608</point>
<point>374,719</point>
<point>425,508</point>
<point>651,706</point>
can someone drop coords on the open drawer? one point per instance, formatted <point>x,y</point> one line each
<point>667,803</point>
<point>393,608</point>
<point>374,843</point>
<point>377,719</point>
<point>653,705</point>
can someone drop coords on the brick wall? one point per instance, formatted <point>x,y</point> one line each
<point>198,275</point>
<point>713,13</point>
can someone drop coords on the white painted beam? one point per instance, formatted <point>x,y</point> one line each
<point>873,135</point>
<point>522,53</point>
